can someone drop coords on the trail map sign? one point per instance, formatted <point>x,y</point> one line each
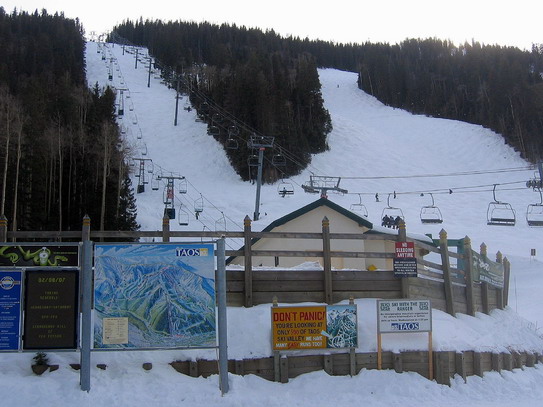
<point>154,295</point>
<point>405,263</point>
<point>317,327</point>
<point>51,309</point>
<point>487,270</point>
<point>10,309</point>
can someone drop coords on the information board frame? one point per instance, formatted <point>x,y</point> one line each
<point>51,311</point>
<point>175,256</point>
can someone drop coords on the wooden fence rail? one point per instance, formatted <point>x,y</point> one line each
<point>451,289</point>
<point>446,364</point>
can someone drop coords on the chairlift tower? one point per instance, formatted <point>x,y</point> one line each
<point>260,143</point>
<point>323,184</point>
<point>141,173</point>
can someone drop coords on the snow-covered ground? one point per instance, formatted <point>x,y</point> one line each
<point>376,150</point>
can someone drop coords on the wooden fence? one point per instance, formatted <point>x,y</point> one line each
<point>451,289</point>
<point>446,364</point>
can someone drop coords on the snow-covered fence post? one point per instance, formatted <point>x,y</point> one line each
<point>500,291</point>
<point>402,237</point>
<point>468,270</point>
<point>3,228</point>
<point>484,284</point>
<point>506,278</point>
<point>248,262</point>
<point>165,229</point>
<point>327,261</point>
<point>447,283</point>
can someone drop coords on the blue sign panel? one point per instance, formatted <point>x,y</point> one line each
<point>10,309</point>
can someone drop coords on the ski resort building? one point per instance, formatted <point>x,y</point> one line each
<point>309,219</point>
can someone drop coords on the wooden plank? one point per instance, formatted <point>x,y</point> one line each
<point>286,286</point>
<point>281,286</point>
<point>367,285</point>
<point>327,261</point>
<point>460,365</point>
<point>364,275</point>
<point>448,290</point>
<point>345,295</point>
<point>430,264</point>
<point>288,297</point>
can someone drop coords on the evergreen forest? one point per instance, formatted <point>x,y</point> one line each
<point>61,154</point>
<point>500,88</point>
<point>60,151</point>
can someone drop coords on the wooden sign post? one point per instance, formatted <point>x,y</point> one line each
<point>404,316</point>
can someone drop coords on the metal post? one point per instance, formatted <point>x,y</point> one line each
<point>136,65</point>
<point>149,74</point>
<point>258,182</point>
<point>86,288</point>
<point>221,302</point>
<point>176,102</point>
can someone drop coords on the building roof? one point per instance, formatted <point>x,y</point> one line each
<point>319,202</point>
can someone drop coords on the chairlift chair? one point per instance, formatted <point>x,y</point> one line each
<point>233,131</point>
<point>279,160</point>
<point>182,188</point>
<point>198,206</point>
<point>155,182</point>
<point>285,189</point>
<point>360,207</point>
<point>183,216</point>
<point>214,131</point>
<point>500,213</point>
<point>231,144</point>
<point>431,213</point>
<point>534,213</point>
<point>220,224</point>
<point>252,161</point>
<point>391,211</point>
<point>169,212</point>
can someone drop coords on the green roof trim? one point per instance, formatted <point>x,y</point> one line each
<point>316,204</point>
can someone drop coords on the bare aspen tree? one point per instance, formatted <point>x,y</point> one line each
<point>18,130</point>
<point>6,106</point>
<point>108,134</point>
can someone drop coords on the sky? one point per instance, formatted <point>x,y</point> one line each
<point>364,131</point>
<point>486,21</point>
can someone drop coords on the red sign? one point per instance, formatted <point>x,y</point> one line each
<point>404,250</point>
